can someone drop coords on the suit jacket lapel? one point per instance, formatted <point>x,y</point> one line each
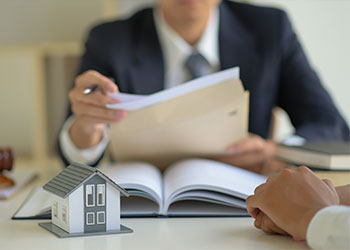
<point>147,71</point>
<point>236,43</point>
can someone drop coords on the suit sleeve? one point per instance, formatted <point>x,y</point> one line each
<point>92,59</point>
<point>301,94</point>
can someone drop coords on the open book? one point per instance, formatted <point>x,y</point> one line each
<point>191,187</point>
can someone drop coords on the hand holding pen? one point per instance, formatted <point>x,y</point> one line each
<point>88,100</point>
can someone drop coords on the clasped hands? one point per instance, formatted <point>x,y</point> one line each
<point>287,202</point>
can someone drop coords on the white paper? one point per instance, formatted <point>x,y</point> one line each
<point>136,175</point>
<point>37,202</point>
<point>135,102</point>
<point>213,197</point>
<point>124,98</point>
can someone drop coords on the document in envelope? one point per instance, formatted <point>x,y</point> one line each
<point>200,118</point>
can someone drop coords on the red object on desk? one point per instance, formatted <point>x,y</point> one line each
<point>6,163</point>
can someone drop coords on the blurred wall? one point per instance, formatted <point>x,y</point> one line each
<point>37,21</point>
<point>40,43</point>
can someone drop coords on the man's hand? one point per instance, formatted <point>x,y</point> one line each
<point>90,110</point>
<point>254,154</point>
<point>344,194</point>
<point>287,202</point>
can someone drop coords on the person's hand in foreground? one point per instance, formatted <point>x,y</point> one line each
<point>286,203</point>
<point>254,154</point>
<point>90,110</point>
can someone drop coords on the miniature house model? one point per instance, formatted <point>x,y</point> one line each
<point>84,201</point>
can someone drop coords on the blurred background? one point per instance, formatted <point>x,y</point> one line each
<point>41,42</point>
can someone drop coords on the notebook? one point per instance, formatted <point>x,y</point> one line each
<point>191,187</point>
<point>327,155</point>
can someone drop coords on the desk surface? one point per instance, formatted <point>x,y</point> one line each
<point>174,233</point>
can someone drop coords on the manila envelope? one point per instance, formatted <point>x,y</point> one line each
<point>202,123</point>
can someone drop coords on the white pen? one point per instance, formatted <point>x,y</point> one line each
<point>94,88</point>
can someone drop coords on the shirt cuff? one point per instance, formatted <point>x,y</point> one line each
<point>74,154</point>
<point>330,228</point>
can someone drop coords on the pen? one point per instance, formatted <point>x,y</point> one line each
<point>94,88</point>
<point>90,90</point>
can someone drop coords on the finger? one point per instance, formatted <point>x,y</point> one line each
<point>254,213</point>
<point>304,169</point>
<point>259,189</point>
<point>272,178</point>
<point>268,226</point>
<point>97,98</point>
<point>93,78</point>
<point>81,109</point>
<point>329,183</point>
<point>252,203</point>
<point>249,144</point>
<point>258,220</point>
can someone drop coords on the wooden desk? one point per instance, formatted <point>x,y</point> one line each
<point>175,233</point>
<point>338,178</point>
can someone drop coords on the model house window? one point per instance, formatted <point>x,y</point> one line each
<point>101,194</point>
<point>90,218</point>
<point>64,214</point>
<point>90,195</point>
<point>54,209</point>
<point>101,217</point>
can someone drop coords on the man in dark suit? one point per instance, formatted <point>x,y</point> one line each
<point>151,51</point>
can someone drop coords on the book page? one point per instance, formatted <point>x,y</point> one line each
<point>138,178</point>
<point>36,206</point>
<point>135,206</point>
<point>124,97</point>
<point>212,197</point>
<point>195,208</point>
<point>202,174</point>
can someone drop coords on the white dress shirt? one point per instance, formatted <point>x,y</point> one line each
<point>330,229</point>
<point>175,52</point>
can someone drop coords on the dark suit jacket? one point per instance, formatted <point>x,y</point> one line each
<point>259,40</point>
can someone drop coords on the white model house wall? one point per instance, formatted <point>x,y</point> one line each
<point>63,208</point>
<point>76,209</point>
<point>60,207</point>
<point>112,208</point>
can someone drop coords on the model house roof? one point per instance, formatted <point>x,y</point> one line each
<point>72,177</point>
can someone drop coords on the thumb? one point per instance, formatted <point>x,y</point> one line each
<point>329,183</point>
<point>108,85</point>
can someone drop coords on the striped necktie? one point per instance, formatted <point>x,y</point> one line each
<point>197,66</point>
